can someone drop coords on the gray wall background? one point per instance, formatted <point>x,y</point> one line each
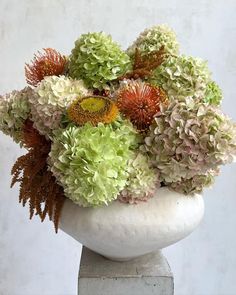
<point>33,260</point>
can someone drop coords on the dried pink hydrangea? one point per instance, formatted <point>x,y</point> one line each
<point>190,138</point>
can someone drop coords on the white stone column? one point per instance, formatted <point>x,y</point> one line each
<point>149,274</point>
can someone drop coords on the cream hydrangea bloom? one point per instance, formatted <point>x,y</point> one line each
<point>14,110</point>
<point>52,97</point>
<point>142,181</point>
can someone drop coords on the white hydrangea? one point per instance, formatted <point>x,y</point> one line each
<point>52,96</point>
<point>14,110</point>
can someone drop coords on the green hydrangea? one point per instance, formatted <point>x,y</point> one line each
<point>91,162</point>
<point>213,94</point>
<point>97,59</point>
<point>14,110</point>
<point>188,139</point>
<point>142,180</point>
<point>153,38</point>
<point>194,185</point>
<point>182,76</point>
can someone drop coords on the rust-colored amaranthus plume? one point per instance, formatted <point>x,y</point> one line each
<point>145,64</point>
<point>38,186</point>
<point>48,63</point>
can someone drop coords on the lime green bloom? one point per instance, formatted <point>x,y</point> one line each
<point>97,59</point>
<point>91,162</point>
<point>153,38</point>
<point>213,94</point>
<point>182,76</point>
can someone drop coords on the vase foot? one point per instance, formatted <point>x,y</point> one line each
<point>116,259</point>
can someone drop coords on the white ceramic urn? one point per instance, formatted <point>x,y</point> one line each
<point>122,231</point>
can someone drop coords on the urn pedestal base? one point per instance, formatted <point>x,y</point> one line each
<point>148,274</point>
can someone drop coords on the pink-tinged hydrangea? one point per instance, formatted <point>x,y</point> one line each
<point>142,181</point>
<point>188,139</point>
<point>52,97</point>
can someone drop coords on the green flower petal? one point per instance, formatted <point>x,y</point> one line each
<point>97,59</point>
<point>153,38</point>
<point>91,162</point>
<point>182,76</point>
<point>213,94</point>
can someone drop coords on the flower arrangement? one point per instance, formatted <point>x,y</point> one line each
<point>104,125</point>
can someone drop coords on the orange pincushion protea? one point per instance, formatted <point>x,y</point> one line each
<point>93,109</point>
<point>140,102</point>
<point>49,63</point>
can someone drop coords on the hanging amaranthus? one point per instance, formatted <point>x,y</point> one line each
<point>38,186</point>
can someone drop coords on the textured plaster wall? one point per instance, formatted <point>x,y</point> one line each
<point>33,260</point>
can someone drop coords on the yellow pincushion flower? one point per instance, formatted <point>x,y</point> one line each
<point>93,109</point>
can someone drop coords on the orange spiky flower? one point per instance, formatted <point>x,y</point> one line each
<point>49,63</point>
<point>93,109</point>
<point>38,186</point>
<point>140,102</point>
